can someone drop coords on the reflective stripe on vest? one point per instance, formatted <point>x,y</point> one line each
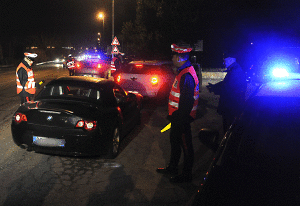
<point>175,92</point>
<point>71,64</point>
<point>30,84</point>
<point>112,65</point>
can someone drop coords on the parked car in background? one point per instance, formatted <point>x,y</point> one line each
<point>77,116</point>
<point>152,79</point>
<point>92,65</point>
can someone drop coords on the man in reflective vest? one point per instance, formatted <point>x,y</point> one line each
<point>115,63</point>
<point>25,78</point>
<point>71,65</point>
<point>183,101</point>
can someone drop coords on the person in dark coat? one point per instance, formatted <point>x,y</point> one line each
<point>231,90</point>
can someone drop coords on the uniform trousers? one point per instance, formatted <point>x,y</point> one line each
<point>181,139</point>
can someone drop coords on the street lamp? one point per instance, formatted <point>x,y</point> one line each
<point>101,17</point>
<point>113,19</point>
<point>113,23</point>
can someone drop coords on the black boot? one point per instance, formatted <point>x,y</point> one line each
<point>184,177</point>
<point>168,170</point>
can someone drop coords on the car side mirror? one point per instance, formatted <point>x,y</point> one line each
<point>210,138</point>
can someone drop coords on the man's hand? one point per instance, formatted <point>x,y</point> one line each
<point>39,84</point>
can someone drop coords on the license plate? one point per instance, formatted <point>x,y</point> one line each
<point>48,142</point>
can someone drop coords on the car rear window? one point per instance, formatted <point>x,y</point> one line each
<point>86,63</point>
<point>70,91</point>
<point>146,69</point>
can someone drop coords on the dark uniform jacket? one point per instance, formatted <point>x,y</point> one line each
<point>231,90</point>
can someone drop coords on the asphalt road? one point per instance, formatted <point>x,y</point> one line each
<point>28,178</point>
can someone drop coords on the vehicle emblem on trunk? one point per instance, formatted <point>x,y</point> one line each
<point>49,118</point>
<point>133,78</point>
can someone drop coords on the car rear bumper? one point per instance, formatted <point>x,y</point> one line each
<point>75,142</point>
<point>133,86</point>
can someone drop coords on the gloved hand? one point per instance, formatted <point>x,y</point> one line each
<point>178,118</point>
<point>39,84</point>
<point>175,121</point>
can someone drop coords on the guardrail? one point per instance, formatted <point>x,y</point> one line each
<point>213,73</point>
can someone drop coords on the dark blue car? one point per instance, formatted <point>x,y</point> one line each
<point>258,160</point>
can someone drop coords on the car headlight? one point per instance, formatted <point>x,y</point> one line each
<point>280,72</point>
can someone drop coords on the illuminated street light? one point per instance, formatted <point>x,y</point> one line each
<point>101,17</point>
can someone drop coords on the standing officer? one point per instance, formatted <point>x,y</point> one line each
<point>183,101</point>
<point>116,63</point>
<point>231,90</point>
<point>25,78</point>
<point>71,65</point>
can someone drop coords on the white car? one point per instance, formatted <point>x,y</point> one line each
<point>152,79</point>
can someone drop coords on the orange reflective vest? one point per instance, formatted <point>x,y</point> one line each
<point>175,92</point>
<point>112,65</point>
<point>30,84</point>
<point>71,64</point>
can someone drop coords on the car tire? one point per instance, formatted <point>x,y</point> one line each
<point>114,144</point>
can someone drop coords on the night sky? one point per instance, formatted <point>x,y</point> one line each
<point>70,18</point>
<point>230,23</point>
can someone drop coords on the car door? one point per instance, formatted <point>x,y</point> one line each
<point>129,108</point>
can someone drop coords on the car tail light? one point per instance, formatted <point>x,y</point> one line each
<point>99,66</point>
<point>118,79</point>
<point>139,65</point>
<point>78,65</point>
<point>19,117</point>
<point>87,125</point>
<point>154,80</point>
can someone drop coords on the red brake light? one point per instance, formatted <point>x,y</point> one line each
<point>139,65</point>
<point>87,125</point>
<point>90,125</point>
<point>99,66</point>
<point>80,123</point>
<point>118,78</point>
<point>78,65</point>
<point>154,80</point>
<point>19,117</point>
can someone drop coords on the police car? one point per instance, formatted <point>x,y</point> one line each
<point>258,160</point>
<point>92,64</point>
<point>152,79</point>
